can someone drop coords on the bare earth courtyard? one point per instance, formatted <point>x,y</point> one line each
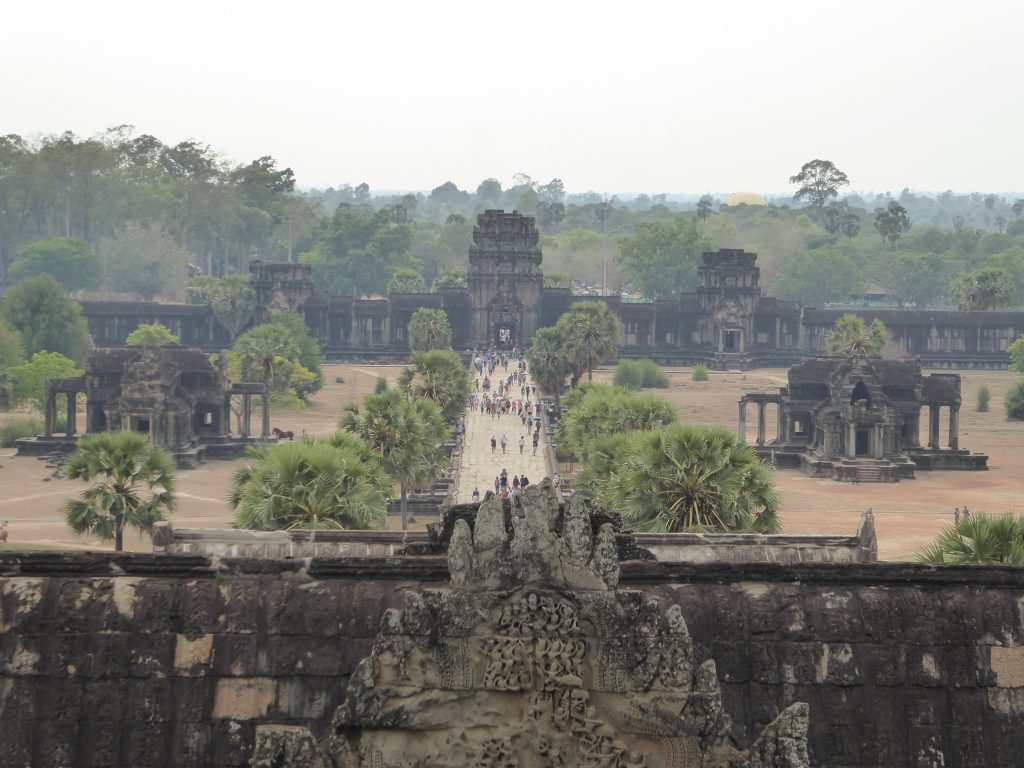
<point>908,514</point>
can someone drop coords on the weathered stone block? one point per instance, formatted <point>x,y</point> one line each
<point>239,655</point>
<point>199,606</point>
<point>244,698</point>
<point>193,656</point>
<point>238,606</point>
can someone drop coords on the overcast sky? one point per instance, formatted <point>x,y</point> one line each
<point>609,96</point>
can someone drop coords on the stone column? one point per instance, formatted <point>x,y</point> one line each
<point>226,424</point>
<point>779,423</point>
<point>851,440</point>
<point>954,427</point>
<point>743,421</point>
<point>50,413</point>
<point>265,422</point>
<point>879,446</point>
<point>72,414</point>
<point>760,423</point>
<point>828,439</point>
<point>243,428</point>
<point>933,427</point>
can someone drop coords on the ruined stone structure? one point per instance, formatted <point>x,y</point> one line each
<point>122,659</point>
<point>173,394</point>
<point>859,419</point>
<point>727,322</point>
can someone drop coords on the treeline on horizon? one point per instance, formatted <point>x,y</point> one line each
<point>124,215</point>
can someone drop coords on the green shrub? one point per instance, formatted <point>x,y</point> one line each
<point>983,393</point>
<point>381,386</point>
<point>700,372</point>
<point>654,377</point>
<point>1014,401</point>
<point>286,401</point>
<point>629,375</point>
<point>16,428</point>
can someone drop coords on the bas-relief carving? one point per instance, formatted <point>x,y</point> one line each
<point>533,659</point>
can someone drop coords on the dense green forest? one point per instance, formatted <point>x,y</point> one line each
<point>123,214</point>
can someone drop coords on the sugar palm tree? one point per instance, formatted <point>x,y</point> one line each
<point>134,485</point>
<point>321,484</point>
<point>404,434</point>
<point>591,336</point>
<point>549,364</point>
<point>979,538</point>
<point>438,375</point>
<point>605,410</point>
<point>853,338</point>
<point>687,477</point>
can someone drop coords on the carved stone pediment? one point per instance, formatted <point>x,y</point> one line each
<point>534,659</point>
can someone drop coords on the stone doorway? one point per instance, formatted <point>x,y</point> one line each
<point>862,442</point>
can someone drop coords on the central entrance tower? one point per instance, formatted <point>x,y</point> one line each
<point>505,279</point>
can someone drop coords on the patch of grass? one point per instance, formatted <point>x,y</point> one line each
<point>14,546</point>
<point>700,373</point>
<point>16,428</point>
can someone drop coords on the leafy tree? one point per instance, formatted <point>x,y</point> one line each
<point>406,280</point>
<point>448,194</point>
<point>151,334</point>
<point>438,375</point>
<point>359,252</point>
<point>663,257</point>
<point>918,278</point>
<point>853,337</point>
<point>321,484</point>
<point>404,434</point>
<point>134,485</point>
<point>986,288</point>
<point>282,354</point>
<point>590,334</point>
<point>557,280</point>
<point>603,411</point>
<point>70,261</point>
<point>28,380</point>
<point>1017,207</point>
<point>12,353</point>
<point>489,192</point>
<point>549,365</point>
<point>832,217</point>
<point>819,182</point>
<point>46,318</point>
<point>451,279</point>
<point>550,215</point>
<point>979,538</point>
<point>990,201</point>
<point>704,206</point>
<point>1016,351</point>
<point>689,477</point>
<point>817,276</point>
<point>850,224</point>
<point>429,329</point>
<point>232,299</point>
<point>1013,401</point>
<point>144,259</point>
<point>891,222</point>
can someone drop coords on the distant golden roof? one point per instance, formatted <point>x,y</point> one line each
<point>746,198</point>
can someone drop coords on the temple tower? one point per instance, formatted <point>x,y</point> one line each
<point>728,292</point>
<point>505,279</point>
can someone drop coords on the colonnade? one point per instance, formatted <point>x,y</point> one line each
<point>761,421</point>
<point>954,426</point>
<point>245,419</point>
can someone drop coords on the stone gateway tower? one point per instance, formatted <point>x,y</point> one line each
<point>505,279</point>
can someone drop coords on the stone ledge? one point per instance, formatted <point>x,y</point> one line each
<point>435,569</point>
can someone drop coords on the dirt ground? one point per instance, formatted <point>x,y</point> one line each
<point>908,514</point>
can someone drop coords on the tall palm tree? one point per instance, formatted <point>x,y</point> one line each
<point>134,485</point>
<point>605,410</point>
<point>853,338</point>
<point>688,477</point>
<point>405,435</point>
<point>549,365</point>
<point>591,336</point>
<point>438,375</point>
<point>322,484</point>
<point>979,538</point>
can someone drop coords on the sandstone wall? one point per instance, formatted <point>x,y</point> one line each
<point>142,660</point>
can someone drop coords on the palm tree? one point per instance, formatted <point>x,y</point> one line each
<point>429,329</point>
<point>438,375</point>
<point>134,485</point>
<point>322,484</point>
<point>591,336</point>
<point>704,207</point>
<point>405,435</point>
<point>549,365</point>
<point>687,477</point>
<point>851,337</point>
<point>605,411</point>
<point>979,538</point>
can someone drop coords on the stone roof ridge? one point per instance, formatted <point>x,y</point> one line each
<point>534,553</point>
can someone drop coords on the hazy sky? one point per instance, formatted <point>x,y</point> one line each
<point>609,96</point>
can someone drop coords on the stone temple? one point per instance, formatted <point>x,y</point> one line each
<point>860,419</point>
<point>728,322</point>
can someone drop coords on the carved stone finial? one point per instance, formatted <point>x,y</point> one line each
<point>460,554</point>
